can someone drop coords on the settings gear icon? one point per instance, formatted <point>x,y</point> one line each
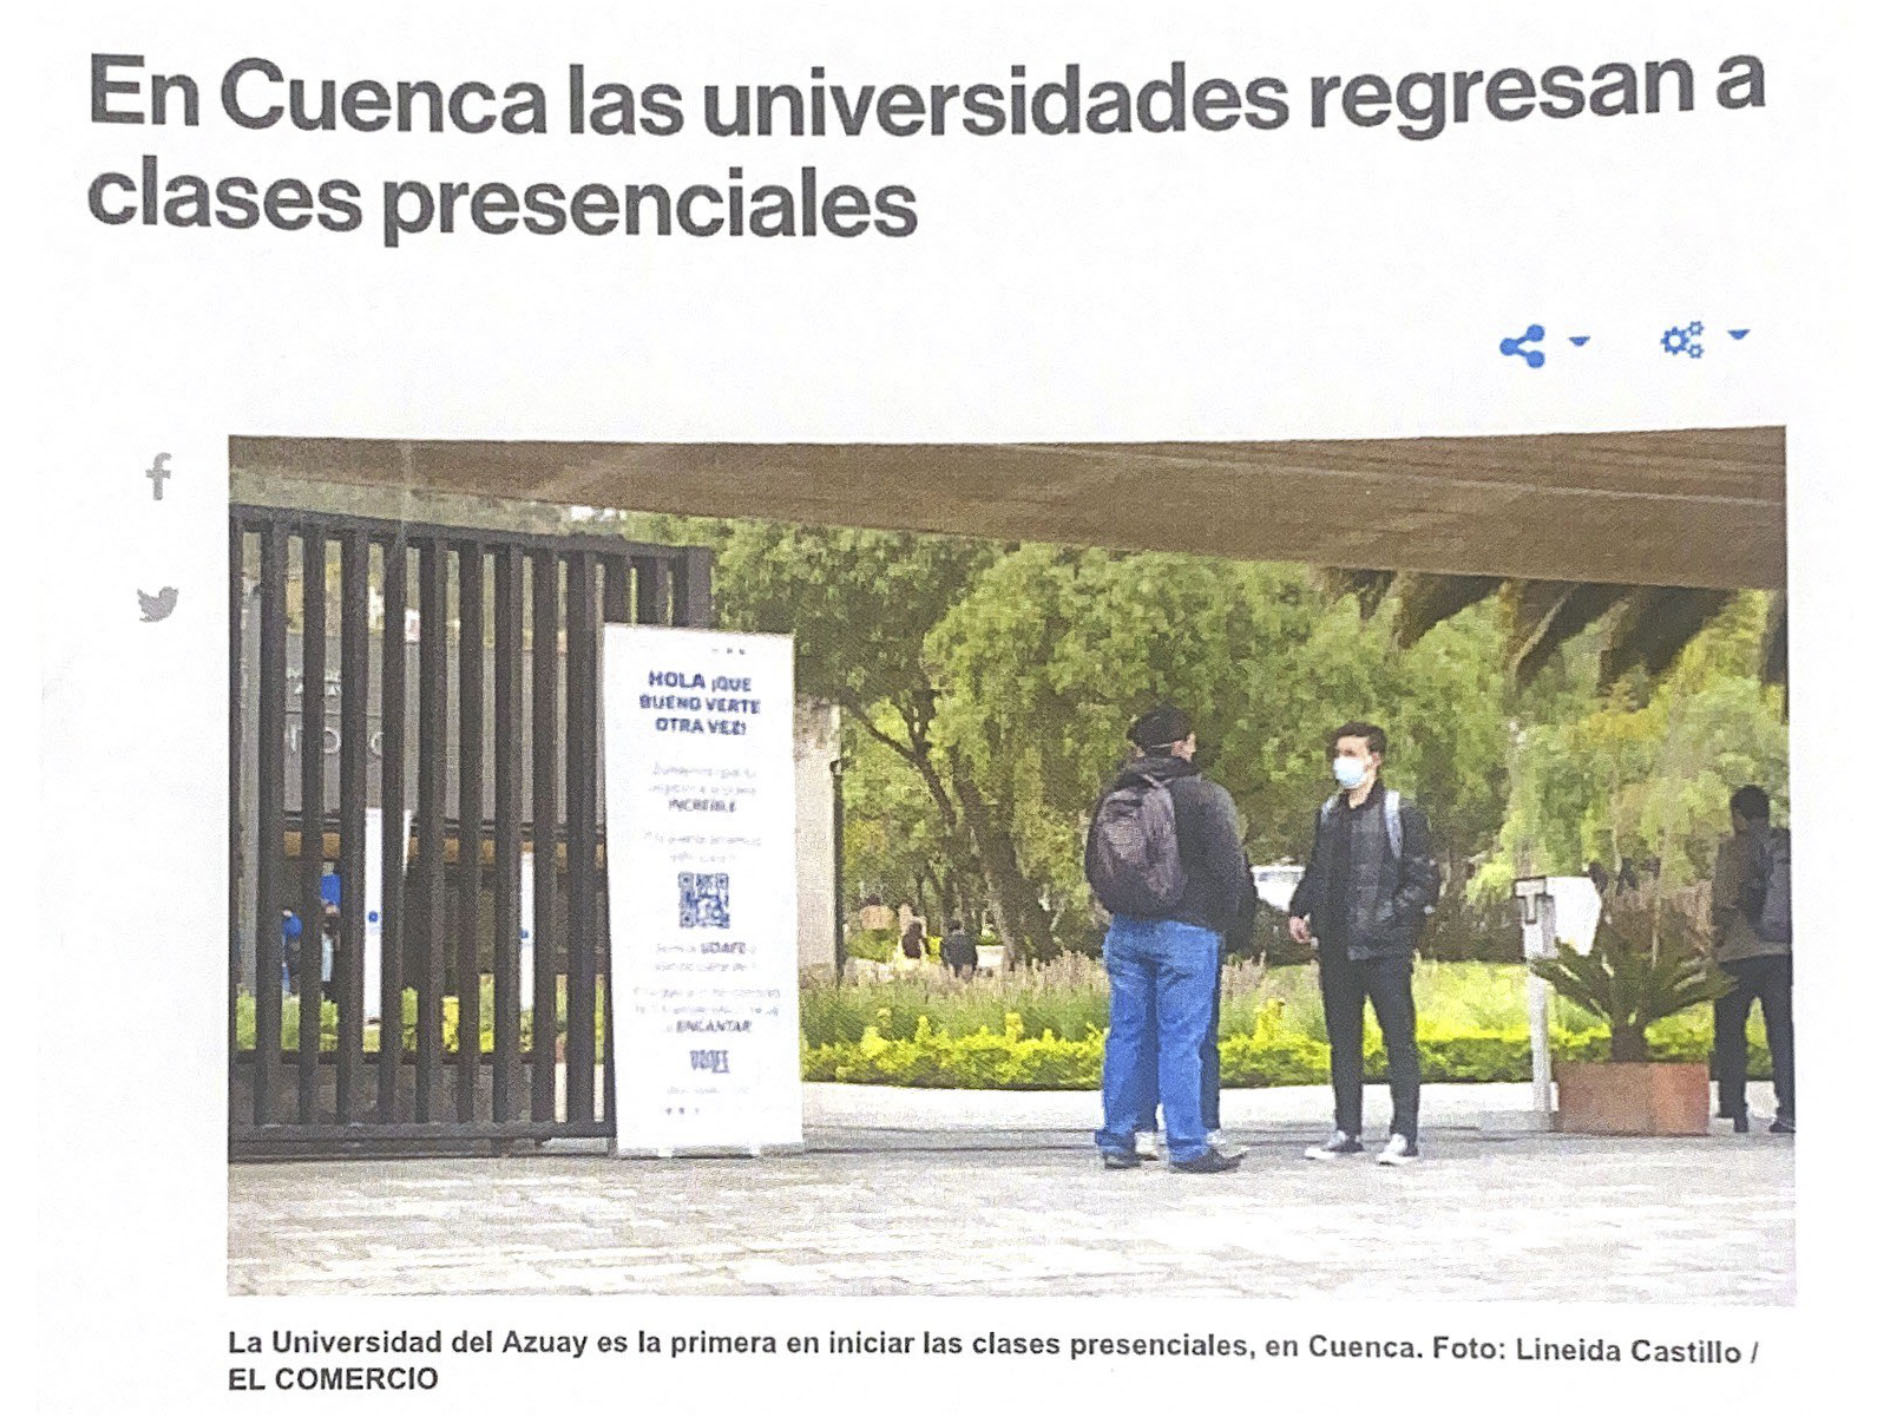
<point>1684,339</point>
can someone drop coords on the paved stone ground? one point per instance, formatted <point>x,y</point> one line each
<point>1017,1205</point>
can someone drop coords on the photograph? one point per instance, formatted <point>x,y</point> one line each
<point>1354,869</point>
<point>1023,706</point>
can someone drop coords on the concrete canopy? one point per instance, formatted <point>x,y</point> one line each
<point>1699,508</point>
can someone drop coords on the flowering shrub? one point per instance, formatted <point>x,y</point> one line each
<point>1269,1056</point>
<point>1042,1027</point>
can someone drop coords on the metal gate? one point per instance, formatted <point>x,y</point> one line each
<point>414,749</point>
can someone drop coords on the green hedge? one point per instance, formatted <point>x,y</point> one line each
<point>1044,1028</point>
<point>875,945</point>
<point>1266,1058</point>
<point>410,1015</point>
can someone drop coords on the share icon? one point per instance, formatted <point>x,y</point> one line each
<point>1534,358</point>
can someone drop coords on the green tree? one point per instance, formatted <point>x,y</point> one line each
<point>986,689</point>
<point>860,605</point>
<point>1054,649</point>
<point>1642,771</point>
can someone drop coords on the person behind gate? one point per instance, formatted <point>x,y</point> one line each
<point>1369,884</point>
<point>1752,941</point>
<point>1164,858</point>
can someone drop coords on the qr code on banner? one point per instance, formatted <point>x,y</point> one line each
<point>703,900</point>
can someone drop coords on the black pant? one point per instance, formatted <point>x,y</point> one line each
<point>1768,979</point>
<point>1345,985</point>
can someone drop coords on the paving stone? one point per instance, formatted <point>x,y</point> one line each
<point>902,1211</point>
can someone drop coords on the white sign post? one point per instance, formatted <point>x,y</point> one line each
<point>1538,926</point>
<point>1555,910</point>
<point>372,890</point>
<point>527,938</point>
<point>699,786</point>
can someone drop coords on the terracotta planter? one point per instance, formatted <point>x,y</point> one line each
<point>1632,1099</point>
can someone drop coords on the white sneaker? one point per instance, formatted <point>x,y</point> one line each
<point>1399,1151</point>
<point>1215,1138</point>
<point>1337,1145</point>
<point>1147,1146</point>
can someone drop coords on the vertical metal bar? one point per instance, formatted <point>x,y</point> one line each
<point>393,821</point>
<point>472,811</point>
<point>314,817</point>
<point>544,832</point>
<point>351,938</point>
<point>508,732</point>
<point>236,707</point>
<point>694,603</point>
<point>580,716</point>
<point>272,714</point>
<point>616,590</point>
<point>432,861</point>
<point>652,590</point>
<point>616,612</point>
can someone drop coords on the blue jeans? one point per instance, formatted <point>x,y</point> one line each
<point>1161,1003</point>
<point>1210,1069</point>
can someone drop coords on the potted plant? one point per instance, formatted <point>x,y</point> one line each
<point>1649,962</point>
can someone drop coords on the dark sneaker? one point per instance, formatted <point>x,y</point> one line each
<point>1399,1151</point>
<point>1120,1160</point>
<point>1337,1145</point>
<point>1784,1126</point>
<point>1209,1162</point>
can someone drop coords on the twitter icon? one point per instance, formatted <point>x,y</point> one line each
<point>157,607</point>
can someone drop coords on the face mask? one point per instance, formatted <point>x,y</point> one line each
<point>1349,772</point>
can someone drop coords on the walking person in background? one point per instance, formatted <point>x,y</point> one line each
<point>958,952</point>
<point>1164,858</point>
<point>1368,887</point>
<point>912,943</point>
<point>1752,941</point>
<point>291,949</point>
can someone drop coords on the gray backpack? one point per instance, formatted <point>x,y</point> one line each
<point>1773,920</point>
<point>1133,857</point>
<point>1394,822</point>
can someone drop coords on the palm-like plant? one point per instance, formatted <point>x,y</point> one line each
<point>1648,626</point>
<point>1649,962</point>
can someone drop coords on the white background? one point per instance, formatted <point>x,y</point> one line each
<point>1288,284</point>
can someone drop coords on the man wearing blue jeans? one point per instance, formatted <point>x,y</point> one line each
<point>1145,1139</point>
<point>1165,857</point>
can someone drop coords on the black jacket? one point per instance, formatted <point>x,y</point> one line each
<point>958,950</point>
<point>1358,895</point>
<point>1219,894</point>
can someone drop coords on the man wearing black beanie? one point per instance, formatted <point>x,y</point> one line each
<point>1164,858</point>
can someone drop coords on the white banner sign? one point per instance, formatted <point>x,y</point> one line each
<point>699,781</point>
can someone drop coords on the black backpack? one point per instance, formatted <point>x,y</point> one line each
<point>1133,858</point>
